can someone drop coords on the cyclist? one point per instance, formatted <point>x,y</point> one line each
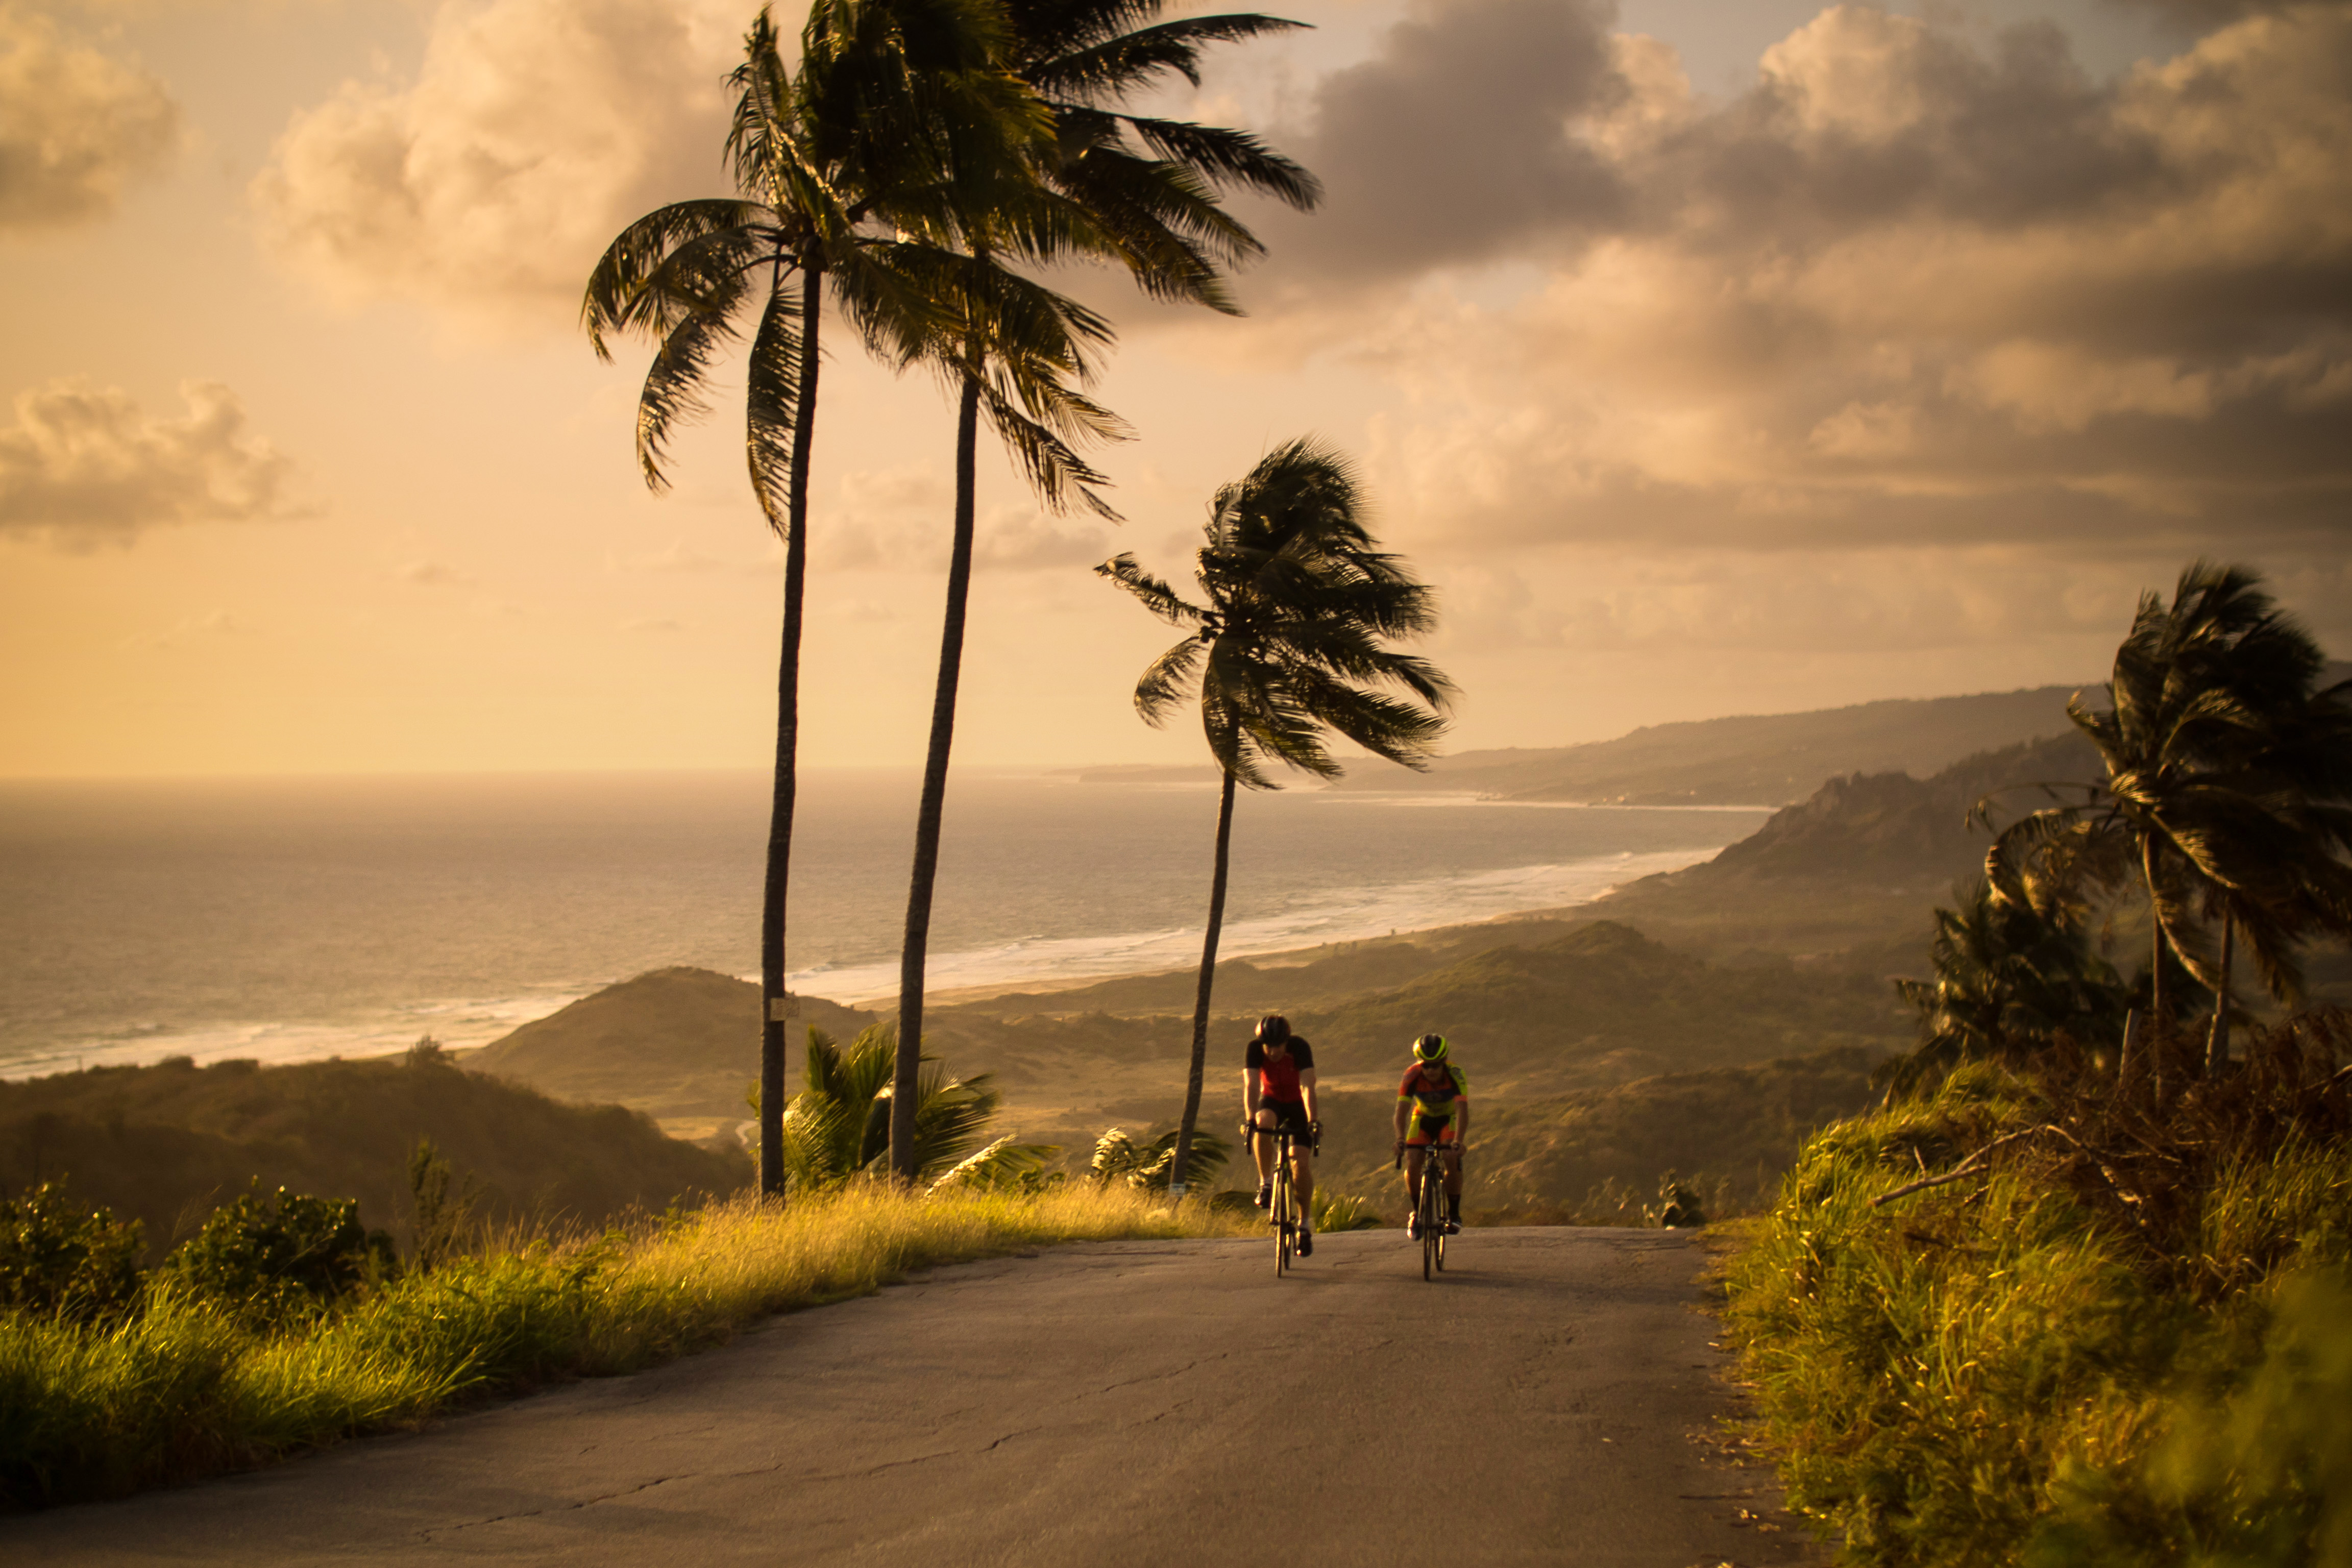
<point>1278,1088</point>
<point>1433,1107</point>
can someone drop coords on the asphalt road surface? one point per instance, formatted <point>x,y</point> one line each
<point>1552,1399</point>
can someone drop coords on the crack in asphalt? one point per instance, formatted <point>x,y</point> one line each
<point>440,1530</point>
<point>989,1447</point>
<point>1164,1376</point>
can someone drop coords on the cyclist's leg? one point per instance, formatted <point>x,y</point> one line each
<point>1263,1147</point>
<point>1414,1158</point>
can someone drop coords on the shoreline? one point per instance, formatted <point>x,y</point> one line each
<point>332,1042</point>
<point>1313,924</point>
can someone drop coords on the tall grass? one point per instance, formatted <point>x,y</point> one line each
<point>182,1389</point>
<point>2030,1364</point>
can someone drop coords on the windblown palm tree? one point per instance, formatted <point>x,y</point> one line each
<point>1289,646</point>
<point>1141,190</point>
<point>2010,981</point>
<point>844,170</point>
<point>2228,795</point>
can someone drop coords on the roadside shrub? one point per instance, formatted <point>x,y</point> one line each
<point>2027,1320</point>
<point>56,1256</point>
<point>1337,1212</point>
<point>273,1259</point>
<point>1147,1167</point>
<point>186,1389</point>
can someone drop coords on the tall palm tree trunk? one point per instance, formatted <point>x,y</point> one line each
<point>774,1002</point>
<point>935,789</point>
<point>1208,980</point>
<point>2216,1043</point>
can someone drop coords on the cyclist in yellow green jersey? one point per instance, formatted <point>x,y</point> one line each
<point>1432,1110</point>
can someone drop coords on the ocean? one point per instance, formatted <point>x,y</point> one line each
<point>287,919</point>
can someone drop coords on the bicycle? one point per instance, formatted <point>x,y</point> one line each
<point>1285,1213</point>
<point>1430,1212</point>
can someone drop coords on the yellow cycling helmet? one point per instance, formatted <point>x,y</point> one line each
<point>1429,1048</point>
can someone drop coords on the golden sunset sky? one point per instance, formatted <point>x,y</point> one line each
<point>1711,357</point>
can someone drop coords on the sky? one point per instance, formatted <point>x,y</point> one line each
<point>1708,356</point>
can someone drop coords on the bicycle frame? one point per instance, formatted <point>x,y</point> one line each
<point>1284,1215</point>
<point>1431,1210</point>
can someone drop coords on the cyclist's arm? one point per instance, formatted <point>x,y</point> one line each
<point>1461,1121</point>
<point>1404,1111</point>
<point>1307,1092</point>
<point>1249,1094</point>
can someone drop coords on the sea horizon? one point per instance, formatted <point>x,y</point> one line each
<point>299,918</point>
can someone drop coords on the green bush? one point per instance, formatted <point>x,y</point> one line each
<point>56,1256</point>
<point>274,1259</point>
<point>2255,1475</point>
<point>184,1389</point>
<point>2107,1340</point>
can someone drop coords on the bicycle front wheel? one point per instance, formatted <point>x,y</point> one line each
<point>1282,1230</point>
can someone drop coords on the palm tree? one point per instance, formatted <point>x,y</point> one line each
<point>1288,645</point>
<point>2227,779</point>
<point>1013,346</point>
<point>838,1126</point>
<point>840,172</point>
<point>1137,190</point>
<point>2010,981</point>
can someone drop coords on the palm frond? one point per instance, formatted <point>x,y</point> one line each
<point>1168,680</point>
<point>772,401</point>
<point>627,289</point>
<point>673,389</point>
<point>1228,158</point>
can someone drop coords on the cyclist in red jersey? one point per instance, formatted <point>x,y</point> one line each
<point>1432,1110</point>
<point>1278,1088</point>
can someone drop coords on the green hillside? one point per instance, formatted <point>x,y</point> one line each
<point>1848,879</point>
<point>1604,1005</point>
<point>674,1043</point>
<point>166,1144</point>
<point>1751,760</point>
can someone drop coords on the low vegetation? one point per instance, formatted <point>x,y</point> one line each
<point>167,1144</point>
<point>98,1400</point>
<point>2015,1320</point>
<point>2080,1292</point>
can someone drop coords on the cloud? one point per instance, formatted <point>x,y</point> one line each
<point>218,624</point>
<point>1840,602</point>
<point>1902,290</point>
<point>534,130</point>
<point>428,574</point>
<point>76,125</point>
<point>85,465</point>
<point>1016,539</point>
<point>898,520</point>
<point>682,557</point>
<point>1455,140</point>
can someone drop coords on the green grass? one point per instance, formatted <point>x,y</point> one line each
<point>2041,1363</point>
<point>180,1390</point>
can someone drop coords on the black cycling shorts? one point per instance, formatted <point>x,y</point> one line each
<point>1290,1114</point>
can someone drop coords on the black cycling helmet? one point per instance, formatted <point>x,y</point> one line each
<point>1274,1029</point>
<point>1429,1048</point>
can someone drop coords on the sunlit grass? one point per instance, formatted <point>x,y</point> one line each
<point>1990,1372</point>
<point>180,1390</point>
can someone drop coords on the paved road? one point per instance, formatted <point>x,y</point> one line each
<point>1128,1403</point>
